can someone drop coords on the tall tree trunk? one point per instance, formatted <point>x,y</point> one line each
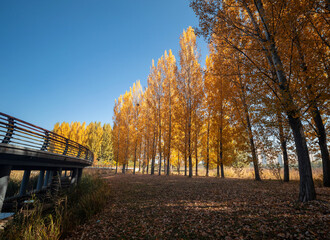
<point>140,156</point>
<point>283,147</point>
<point>196,153</point>
<point>124,168</point>
<point>222,171</point>
<point>307,190</point>
<point>117,150</point>
<point>322,137</point>
<point>160,143</point>
<point>250,134</point>
<point>221,148</point>
<point>169,132</point>
<point>148,150</point>
<point>189,144</point>
<point>153,155</point>
<point>178,167</point>
<point>208,148</point>
<point>218,166</point>
<point>185,149</point>
<point>134,157</point>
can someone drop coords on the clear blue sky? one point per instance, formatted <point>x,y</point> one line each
<point>67,60</point>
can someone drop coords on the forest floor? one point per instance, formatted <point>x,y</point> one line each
<point>176,207</point>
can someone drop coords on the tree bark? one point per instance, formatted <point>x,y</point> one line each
<point>283,147</point>
<point>322,137</point>
<point>208,148</point>
<point>153,155</point>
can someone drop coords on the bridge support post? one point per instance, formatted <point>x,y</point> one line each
<point>56,182</point>
<point>46,178</point>
<point>74,177</point>
<point>50,179</point>
<point>4,178</point>
<point>25,182</point>
<point>40,180</point>
<point>80,170</point>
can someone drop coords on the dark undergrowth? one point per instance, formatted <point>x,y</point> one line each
<point>70,209</point>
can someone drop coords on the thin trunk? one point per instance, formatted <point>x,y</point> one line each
<point>250,134</point>
<point>123,170</point>
<point>134,158</point>
<point>153,155</point>
<point>322,137</point>
<point>126,154</point>
<point>283,147</point>
<point>252,148</point>
<point>189,145</point>
<point>117,150</point>
<point>249,128</point>
<point>218,166</point>
<point>222,171</point>
<point>196,152</point>
<point>140,155</point>
<point>185,150</point>
<point>148,150</point>
<point>160,142</point>
<point>208,148</point>
<point>221,129</point>
<point>169,131</point>
<point>178,168</point>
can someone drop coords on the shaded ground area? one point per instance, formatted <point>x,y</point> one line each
<point>175,207</point>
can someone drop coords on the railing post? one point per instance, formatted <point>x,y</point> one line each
<point>10,130</point>
<point>66,146</point>
<point>79,151</point>
<point>40,180</point>
<point>46,142</point>
<point>4,179</point>
<point>25,182</point>
<point>86,154</point>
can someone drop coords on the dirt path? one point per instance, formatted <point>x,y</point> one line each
<point>175,207</point>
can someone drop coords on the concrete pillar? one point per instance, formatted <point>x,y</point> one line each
<point>56,182</point>
<point>46,179</point>
<point>25,181</point>
<point>80,170</point>
<point>74,176</point>
<point>4,179</point>
<point>50,179</point>
<point>40,179</point>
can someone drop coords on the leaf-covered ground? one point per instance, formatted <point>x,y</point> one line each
<point>176,207</point>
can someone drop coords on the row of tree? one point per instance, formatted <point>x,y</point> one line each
<point>264,91</point>
<point>277,53</point>
<point>96,137</point>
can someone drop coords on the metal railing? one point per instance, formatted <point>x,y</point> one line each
<point>17,132</point>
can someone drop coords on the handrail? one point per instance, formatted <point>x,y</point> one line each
<point>17,132</point>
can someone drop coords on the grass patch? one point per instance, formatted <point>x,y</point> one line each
<point>15,180</point>
<point>71,209</point>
